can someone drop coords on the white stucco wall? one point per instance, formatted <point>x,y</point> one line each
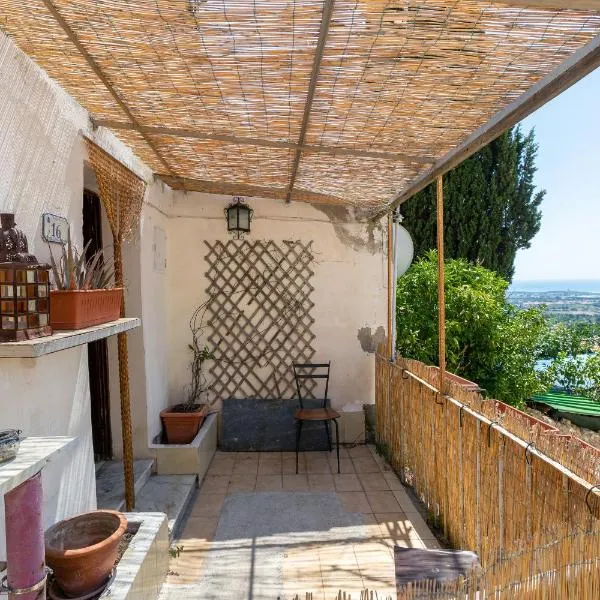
<point>42,157</point>
<point>349,278</point>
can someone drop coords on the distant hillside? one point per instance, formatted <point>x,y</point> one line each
<point>563,305</point>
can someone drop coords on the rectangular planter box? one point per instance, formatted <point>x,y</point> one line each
<point>77,309</point>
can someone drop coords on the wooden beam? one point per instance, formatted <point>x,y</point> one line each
<point>552,4</point>
<point>261,142</point>
<point>100,74</point>
<point>441,285</point>
<point>564,76</point>
<point>241,189</point>
<point>312,85</point>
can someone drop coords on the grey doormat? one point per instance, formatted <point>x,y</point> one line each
<point>414,565</point>
<point>257,529</point>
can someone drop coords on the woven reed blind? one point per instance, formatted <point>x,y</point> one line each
<point>122,194</point>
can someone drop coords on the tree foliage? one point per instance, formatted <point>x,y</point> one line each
<point>491,208</point>
<point>488,340</point>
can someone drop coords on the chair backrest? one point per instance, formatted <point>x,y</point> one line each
<point>304,371</point>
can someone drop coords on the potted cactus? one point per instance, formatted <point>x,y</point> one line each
<point>84,294</point>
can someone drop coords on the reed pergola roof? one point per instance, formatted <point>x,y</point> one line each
<point>357,102</point>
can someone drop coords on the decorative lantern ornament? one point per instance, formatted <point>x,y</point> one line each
<point>24,287</point>
<point>238,215</point>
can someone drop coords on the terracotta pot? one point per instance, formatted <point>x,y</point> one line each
<point>182,427</point>
<point>82,550</point>
<point>76,309</point>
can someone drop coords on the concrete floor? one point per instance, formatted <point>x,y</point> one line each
<point>259,531</point>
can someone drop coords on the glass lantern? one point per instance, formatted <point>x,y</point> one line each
<point>239,215</point>
<point>24,288</point>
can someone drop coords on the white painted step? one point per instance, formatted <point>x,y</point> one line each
<point>110,484</point>
<point>170,494</point>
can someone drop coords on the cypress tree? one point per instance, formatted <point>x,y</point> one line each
<point>491,208</point>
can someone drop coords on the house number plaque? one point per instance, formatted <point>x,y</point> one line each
<point>55,229</point>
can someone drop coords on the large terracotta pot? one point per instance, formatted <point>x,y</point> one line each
<point>76,309</point>
<point>82,550</point>
<point>182,427</point>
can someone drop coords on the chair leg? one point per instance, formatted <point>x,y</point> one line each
<point>326,423</point>
<point>337,440</point>
<point>298,432</point>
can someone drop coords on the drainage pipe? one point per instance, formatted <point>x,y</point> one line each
<point>26,569</point>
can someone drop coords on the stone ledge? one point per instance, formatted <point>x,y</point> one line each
<point>32,455</point>
<point>63,340</point>
<point>143,568</point>
<point>188,459</point>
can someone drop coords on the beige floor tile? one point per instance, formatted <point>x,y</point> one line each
<point>215,484</point>
<point>346,465</point>
<point>207,505</point>
<point>289,464</point>
<point>302,573</point>
<point>242,483</point>
<point>373,481</point>
<point>401,531</point>
<point>354,502</point>
<point>246,454</point>
<point>376,564</point>
<point>420,526</point>
<point>405,501</point>
<point>381,462</point>
<point>295,483</point>
<point>383,502</point>
<point>198,528</point>
<point>347,483</point>
<point>246,466</point>
<point>317,464</point>
<point>271,467</point>
<point>221,466</point>
<point>187,567</point>
<point>393,481</point>
<point>320,482</point>
<point>366,465</point>
<point>269,483</point>
<point>360,451</point>
<point>269,455</point>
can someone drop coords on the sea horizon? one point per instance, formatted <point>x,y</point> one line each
<point>591,286</point>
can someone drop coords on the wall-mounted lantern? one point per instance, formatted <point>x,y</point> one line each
<point>238,215</point>
<point>24,287</point>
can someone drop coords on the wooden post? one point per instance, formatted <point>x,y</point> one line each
<point>126,431</point>
<point>441,286</point>
<point>391,286</point>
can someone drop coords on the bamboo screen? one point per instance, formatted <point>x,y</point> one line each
<point>215,95</point>
<point>522,499</point>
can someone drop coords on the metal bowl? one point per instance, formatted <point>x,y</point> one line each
<point>10,440</point>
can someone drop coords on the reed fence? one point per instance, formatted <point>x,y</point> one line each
<point>495,481</point>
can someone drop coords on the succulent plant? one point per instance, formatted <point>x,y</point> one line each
<point>73,272</point>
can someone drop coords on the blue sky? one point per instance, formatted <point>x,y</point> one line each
<point>568,133</point>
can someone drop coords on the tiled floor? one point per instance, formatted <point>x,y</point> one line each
<point>257,530</point>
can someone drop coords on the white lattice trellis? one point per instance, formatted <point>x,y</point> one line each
<point>259,316</point>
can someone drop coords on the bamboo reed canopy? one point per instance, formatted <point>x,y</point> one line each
<point>329,101</point>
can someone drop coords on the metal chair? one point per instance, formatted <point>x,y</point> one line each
<point>303,371</point>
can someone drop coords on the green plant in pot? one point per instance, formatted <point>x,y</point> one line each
<point>182,421</point>
<point>85,294</point>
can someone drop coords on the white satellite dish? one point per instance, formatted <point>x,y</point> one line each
<point>405,250</point>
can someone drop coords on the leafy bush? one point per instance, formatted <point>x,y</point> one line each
<point>577,374</point>
<point>487,339</point>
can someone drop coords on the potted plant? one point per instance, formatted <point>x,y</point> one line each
<point>182,421</point>
<point>85,295</point>
<point>82,550</point>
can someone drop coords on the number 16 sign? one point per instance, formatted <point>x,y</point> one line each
<point>55,229</point>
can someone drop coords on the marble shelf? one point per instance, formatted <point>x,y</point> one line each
<point>62,340</point>
<point>33,454</point>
